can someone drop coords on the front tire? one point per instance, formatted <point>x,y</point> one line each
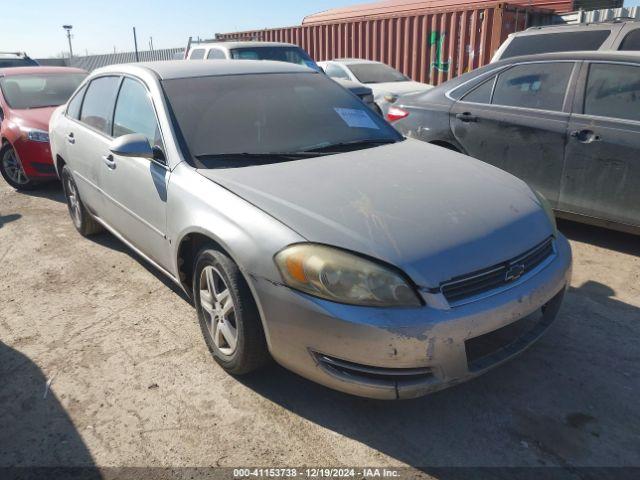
<point>12,171</point>
<point>82,219</point>
<point>228,315</point>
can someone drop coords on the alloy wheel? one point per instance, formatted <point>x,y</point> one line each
<point>13,167</point>
<point>219,310</point>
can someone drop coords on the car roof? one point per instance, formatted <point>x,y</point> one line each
<point>7,72</point>
<point>631,56</point>
<point>353,60</point>
<point>605,24</point>
<point>173,69</point>
<point>242,44</point>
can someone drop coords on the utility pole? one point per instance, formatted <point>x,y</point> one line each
<point>68,30</point>
<point>135,43</point>
<point>151,43</point>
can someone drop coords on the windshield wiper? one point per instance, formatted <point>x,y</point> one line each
<point>354,143</point>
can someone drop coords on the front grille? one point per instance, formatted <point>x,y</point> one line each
<point>468,286</point>
<point>366,372</point>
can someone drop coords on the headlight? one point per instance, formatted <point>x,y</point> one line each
<point>343,277</point>
<point>37,135</point>
<point>547,209</point>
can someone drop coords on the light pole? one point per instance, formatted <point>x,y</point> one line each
<point>68,29</point>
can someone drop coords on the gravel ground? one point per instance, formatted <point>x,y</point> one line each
<point>102,363</point>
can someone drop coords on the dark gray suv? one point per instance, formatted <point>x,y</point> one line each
<point>566,123</point>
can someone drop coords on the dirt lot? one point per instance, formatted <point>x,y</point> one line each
<point>102,363</point>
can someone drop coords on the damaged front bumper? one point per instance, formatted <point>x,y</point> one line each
<point>391,353</point>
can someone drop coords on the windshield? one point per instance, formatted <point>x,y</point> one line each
<point>270,114</point>
<point>376,73</point>
<point>279,54</point>
<point>39,90</point>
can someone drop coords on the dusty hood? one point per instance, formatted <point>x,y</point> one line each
<point>432,212</point>
<point>398,88</point>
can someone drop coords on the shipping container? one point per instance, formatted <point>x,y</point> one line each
<point>429,46</point>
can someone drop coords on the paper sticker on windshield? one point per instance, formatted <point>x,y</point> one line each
<point>356,118</point>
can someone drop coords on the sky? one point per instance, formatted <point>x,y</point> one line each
<point>100,26</point>
<point>35,26</point>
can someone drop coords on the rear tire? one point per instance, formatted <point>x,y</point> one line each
<point>82,219</point>
<point>12,171</point>
<point>228,315</point>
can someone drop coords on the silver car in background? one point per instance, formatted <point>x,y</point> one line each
<point>306,229</point>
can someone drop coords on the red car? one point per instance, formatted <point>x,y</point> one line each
<point>28,97</point>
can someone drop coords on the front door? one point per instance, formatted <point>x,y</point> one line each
<point>603,151</point>
<point>517,121</point>
<point>135,189</point>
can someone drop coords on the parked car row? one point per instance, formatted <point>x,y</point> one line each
<point>566,123</point>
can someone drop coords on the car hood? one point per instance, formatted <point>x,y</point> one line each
<point>434,213</point>
<point>34,117</point>
<point>398,88</point>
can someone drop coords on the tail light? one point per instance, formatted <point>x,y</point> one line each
<point>395,113</point>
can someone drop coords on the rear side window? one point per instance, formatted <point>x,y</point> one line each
<point>135,114</point>
<point>216,54</point>
<point>613,91</point>
<point>631,41</point>
<point>197,54</point>
<point>73,110</point>
<point>536,85</point>
<point>481,94</point>
<point>97,108</point>
<point>556,42</point>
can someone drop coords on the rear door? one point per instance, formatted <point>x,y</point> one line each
<point>135,189</point>
<point>603,152</point>
<point>88,138</point>
<point>517,121</point>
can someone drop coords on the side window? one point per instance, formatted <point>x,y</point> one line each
<point>135,114</point>
<point>631,41</point>
<point>541,86</point>
<point>480,94</point>
<point>335,71</point>
<point>97,108</point>
<point>216,54</point>
<point>613,91</point>
<point>197,54</point>
<point>73,109</point>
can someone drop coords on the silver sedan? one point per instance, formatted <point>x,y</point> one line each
<point>306,229</point>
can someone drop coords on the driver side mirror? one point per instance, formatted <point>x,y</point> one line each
<point>137,145</point>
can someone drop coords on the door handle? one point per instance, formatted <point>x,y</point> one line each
<point>466,117</point>
<point>71,138</point>
<point>585,136</point>
<point>109,161</point>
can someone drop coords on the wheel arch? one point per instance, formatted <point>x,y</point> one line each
<point>189,245</point>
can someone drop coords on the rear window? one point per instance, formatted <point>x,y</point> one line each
<point>197,54</point>
<point>556,42</point>
<point>376,73</point>
<point>278,54</point>
<point>8,62</point>
<point>631,41</point>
